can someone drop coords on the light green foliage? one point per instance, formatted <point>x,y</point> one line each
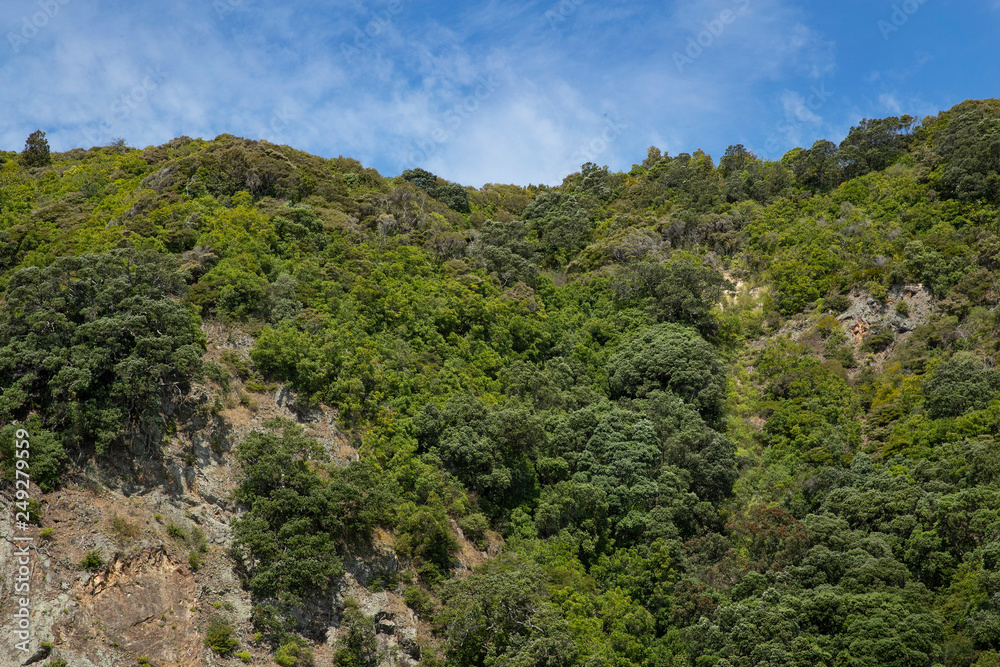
<point>296,653</point>
<point>812,410</point>
<point>803,278</point>
<point>233,289</point>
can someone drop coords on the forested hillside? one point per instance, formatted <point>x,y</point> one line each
<point>736,413</point>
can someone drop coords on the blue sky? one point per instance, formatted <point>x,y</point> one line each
<point>505,92</point>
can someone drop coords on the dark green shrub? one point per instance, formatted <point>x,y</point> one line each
<point>176,532</point>
<point>836,303</point>
<point>36,150</point>
<point>194,561</point>
<point>217,374</point>
<point>878,339</point>
<point>474,526</point>
<point>425,536</point>
<point>92,561</point>
<point>451,194</point>
<point>384,581</point>
<point>308,509</point>
<point>506,253</point>
<point>419,600</point>
<point>356,647</point>
<point>88,343</point>
<point>560,225</point>
<point>124,529</point>
<point>959,385</point>
<point>219,636</point>
<point>682,290</point>
<point>671,358</point>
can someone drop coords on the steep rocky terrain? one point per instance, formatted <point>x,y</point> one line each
<point>147,599</point>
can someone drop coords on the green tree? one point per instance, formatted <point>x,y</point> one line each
<point>489,450</point>
<point>688,443</point>
<point>682,290</point>
<point>672,358</point>
<point>357,646</point>
<point>507,254</point>
<point>219,636</point>
<point>91,342</point>
<point>959,385</point>
<point>622,459</point>
<point>560,224</point>
<point>495,616</point>
<point>36,150</point>
<point>745,176</point>
<point>816,168</point>
<point>299,513</point>
<point>451,194</point>
<point>874,144</point>
<point>969,142</point>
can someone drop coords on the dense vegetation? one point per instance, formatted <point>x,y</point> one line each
<point>638,380</point>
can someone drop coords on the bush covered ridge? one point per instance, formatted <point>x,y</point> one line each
<point>657,386</point>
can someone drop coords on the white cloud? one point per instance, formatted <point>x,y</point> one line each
<point>796,108</point>
<point>404,88</point>
<point>890,103</point>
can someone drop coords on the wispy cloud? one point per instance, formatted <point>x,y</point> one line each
<point>375,78</point>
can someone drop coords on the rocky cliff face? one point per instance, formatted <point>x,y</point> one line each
<point>161,528</point>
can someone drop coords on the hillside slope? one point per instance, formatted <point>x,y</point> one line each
<point>283,409</point>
